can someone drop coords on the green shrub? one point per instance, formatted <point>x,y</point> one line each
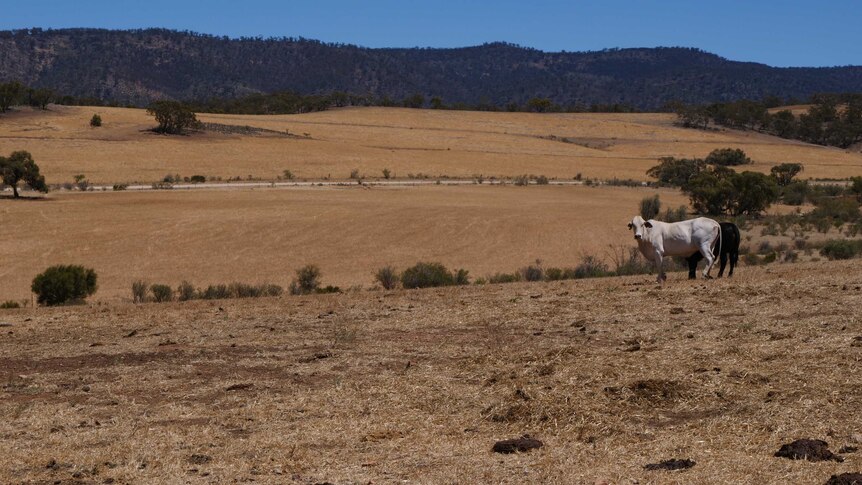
<point>186,291</point>
<point>121,186</point>
<point>197,179</point>
<point>841,249</point>
<point>96,121</point>
<point>462,277</point>
<point>215,292</point>
<point>751,259</point>
<point>504,278</point>
<point>307,280</point>
<point>64,284</point>
<point>387,174</point>
<point>425,275</point>
<point>387,277</point>
<point>553,274</point>
<point>675,215</point>
<point>139,291</point>
<point>161,293</point>
<point>650,207</point>
<point>542,180</point>
<point>10,304</point>
<point>328,289</point>
<point>727,157</point>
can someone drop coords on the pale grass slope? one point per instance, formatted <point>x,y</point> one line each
<point>415,386</point>
<point>405,141</point>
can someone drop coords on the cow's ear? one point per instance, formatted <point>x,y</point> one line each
<point>630,225</point>
<point>647,224</point>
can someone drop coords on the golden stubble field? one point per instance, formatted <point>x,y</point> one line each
<point>405,141</point>
<point>416,386</point>
<point>252,236</point>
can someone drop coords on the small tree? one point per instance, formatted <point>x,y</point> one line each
<point>41,97</point>
<point>173,117</point>
<point>64,283</point>
<point>20,166</point>
<point>96,121</point>
<point>10,94</point>
<point>307,280</point>
<point>785,172</point>
<point>727,157</point>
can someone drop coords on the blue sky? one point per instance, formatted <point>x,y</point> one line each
<point>778,33</point>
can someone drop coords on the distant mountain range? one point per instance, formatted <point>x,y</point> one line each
<point>138,66</point>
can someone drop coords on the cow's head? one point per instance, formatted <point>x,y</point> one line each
<point>639,226</point>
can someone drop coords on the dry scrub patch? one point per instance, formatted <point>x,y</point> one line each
<point>404,141</point>
<point>418,385</point>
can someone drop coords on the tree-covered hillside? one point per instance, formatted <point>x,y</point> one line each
<point>139,66</point>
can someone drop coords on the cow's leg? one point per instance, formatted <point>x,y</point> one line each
<point>734,257</point>
<point>723,261</point>
<point>706,251</point>
<point>692,265</point>
<point>657,259</point>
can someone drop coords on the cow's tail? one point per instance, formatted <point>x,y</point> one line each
<point>720,238</point>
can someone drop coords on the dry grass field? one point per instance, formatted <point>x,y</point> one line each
<point>253,236</point>
<point>405,141</point>
<point>416,386</point>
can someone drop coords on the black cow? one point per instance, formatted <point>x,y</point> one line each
<point>729,246</point>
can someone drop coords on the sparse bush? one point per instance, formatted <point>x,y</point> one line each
<point>81,182</point>
<point>841,249</point>
<point>387,174</point>
<point>139,291</point>
<point>307,280</point>
<point>629,261</point>
<point>354,174</point>
<point>553,274</point>
<point>121,186</point>
<point>96,121</point>
<point>770,258</point>
<point>197,179</point>
<point>542,180</point>
<point>650,207</point>
<point>751,259</point>
<point>388,277</point>
<point>328,289</point>
<point>504,278</point>
<point>591,267</point>
<point>64,284</point>
<point>533,272</point>
<point>521,180</point>
<point>791,257</point>
<point>764,247</point>
<point>425,275</point>
<point>215,292</point>
<point>675,215</point>
<point>10,304</point>
<point>288,175</point>
<point>161,293</point>
<point>186,291</point>
<point>462,277</point>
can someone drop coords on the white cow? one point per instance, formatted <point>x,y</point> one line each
<point>658,239</point>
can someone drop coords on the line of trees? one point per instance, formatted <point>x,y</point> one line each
<point>714,188</point>
<point>833,119</point>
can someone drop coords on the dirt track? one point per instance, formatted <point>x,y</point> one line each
<point>416,386</point>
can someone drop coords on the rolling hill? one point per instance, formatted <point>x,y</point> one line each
<point>137,66</point>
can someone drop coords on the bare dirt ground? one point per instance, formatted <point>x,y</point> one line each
<point>405,141</point>
<point>255,236</point>
<point>416,386</point>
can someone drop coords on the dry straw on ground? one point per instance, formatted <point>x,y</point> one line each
<point>416,386</point>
